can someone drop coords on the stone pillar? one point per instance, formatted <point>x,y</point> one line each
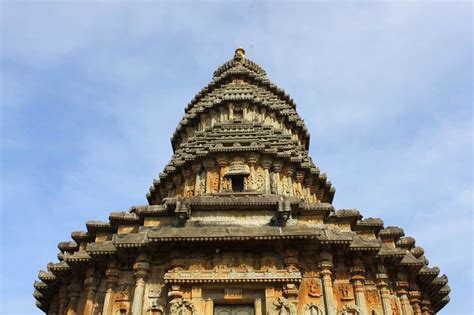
<point>382,285</point>
<point>231,111</point>
<point>269,298</point>
<point>312,191</point>
<point>326,265</point>
<point>358,282</point>
<point>266,163</point>
<point>196,299</point>
<point>290,171</point>
<point>53,308</point>
<point>90,285</point>
<point>188,190</point>
<point>203,120</point>
<point>73,290</point>
<point>169,187</point>
<point>298,187</point>
<point>209,307</point>
<point>141,268</point>
<point>404,301</point>
<point>178,188</point>
<point>222,161</point>
<point>415,297</point>
<point>258,307</point>
<point>263,114</point>
<point>277,165</point>
<point>196,167</point>
<point>209,166</point>
<point>245,111</point>
<point>426,306</point>
<point>212,115</point>
<point>307,191</point>
<point>252,160</point>
<point>112,274</point>
<point>62,299</point>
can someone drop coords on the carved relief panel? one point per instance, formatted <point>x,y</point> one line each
<point>181,306</point>
<point>283,307</point>
<point>344,292</point>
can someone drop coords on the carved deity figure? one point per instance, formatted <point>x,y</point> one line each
<point>345,292</point>
<point>394,306</point>
<point>202,182</point>
<point>285,186</point>
<point>260,181</point>
<point>314,288</point>
<point>225,183</point>
<point>273,185</point>
<point>372,297</point>
<point>284,307</point>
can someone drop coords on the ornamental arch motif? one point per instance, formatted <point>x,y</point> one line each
<point>313,309</point>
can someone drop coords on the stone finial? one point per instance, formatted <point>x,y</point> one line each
<point>239,53</point>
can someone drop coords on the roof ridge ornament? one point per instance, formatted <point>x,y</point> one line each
<point>239,53</point>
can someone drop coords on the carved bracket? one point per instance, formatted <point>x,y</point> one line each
<point>182,211</point>
<point>284,211</point>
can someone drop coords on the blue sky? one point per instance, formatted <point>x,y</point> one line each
<point>91,93</point>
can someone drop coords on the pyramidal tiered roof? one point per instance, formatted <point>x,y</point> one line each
<point>240,173</point>
<point>211,126</point>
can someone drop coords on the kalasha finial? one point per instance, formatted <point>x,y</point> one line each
<point>239,53</point>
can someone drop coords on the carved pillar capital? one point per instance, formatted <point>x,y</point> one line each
<point>222,160</point>
<point>299,176</point>
<point>277,165</point>
<point>73,291</point>
<point>112,275</point>
<point>402,287</point>
<point>252,158</point>
<point>208,163</point>
<point>196,166</point>
<point>266,163</point>
<point>325,261</point>
<point>186,172</point>
<point>177,179</point>
<point>415,300</point>
<point>289,170</point>
<point>358,283</point>
<point>326,264</point>
<point>141,268</point>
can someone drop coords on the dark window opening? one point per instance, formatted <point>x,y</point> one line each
<point>237,183</point>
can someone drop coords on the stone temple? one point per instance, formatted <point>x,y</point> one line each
<point>240,222</point>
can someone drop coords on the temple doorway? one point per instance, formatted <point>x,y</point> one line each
<point>233,310</point>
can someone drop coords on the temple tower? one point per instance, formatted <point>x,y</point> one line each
<point>240,222</point>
